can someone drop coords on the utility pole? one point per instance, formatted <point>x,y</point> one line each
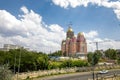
<point>93,67</point>
<point>15,64</point>
<point>96,45</point>
<point>19,62</point>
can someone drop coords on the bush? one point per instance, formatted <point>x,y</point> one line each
<point>5,73</point>
<point>67,63</point>
<point>79,63</point>
<point>118,60</point>
<point>74,63</point>
<point>54,65</point>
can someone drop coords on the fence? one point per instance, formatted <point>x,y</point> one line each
<point>108,77</point>
<point>61,71</point>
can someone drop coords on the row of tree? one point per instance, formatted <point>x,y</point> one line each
<point>103,56</point>
<point>21,60</point>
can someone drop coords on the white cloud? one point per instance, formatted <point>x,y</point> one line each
<point>93,41</point>
<point>30,31</point>
<point>117,12</point>
<point>24,9</point>
<point>91,34</point>
<point>102,44</point>
<point>76,3</point>
<point>115,5</point>
<point>62,3</point>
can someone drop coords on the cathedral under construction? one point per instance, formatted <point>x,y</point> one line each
<point>74,46</point>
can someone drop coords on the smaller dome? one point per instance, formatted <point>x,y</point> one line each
<point>68,38</point>
<point>74,36</point>
<point>70,29</point>
<point>64,42</point>
<point>80,33</point>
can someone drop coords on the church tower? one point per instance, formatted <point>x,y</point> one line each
<point>70,33</point>
<point>81,43</point>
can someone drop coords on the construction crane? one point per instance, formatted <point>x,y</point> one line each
<point>97,42</point>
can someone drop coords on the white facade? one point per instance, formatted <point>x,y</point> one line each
<point>7,47</point>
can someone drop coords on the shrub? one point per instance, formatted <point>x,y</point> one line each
<point>67,63</point>
<point>54,65</point>
<point>5,73</point>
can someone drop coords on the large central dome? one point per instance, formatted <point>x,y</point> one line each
<point>70,29</point>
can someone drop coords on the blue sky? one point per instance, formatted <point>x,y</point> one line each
<point>97,19</point>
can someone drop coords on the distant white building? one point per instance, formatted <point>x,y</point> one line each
<point>7,47</point>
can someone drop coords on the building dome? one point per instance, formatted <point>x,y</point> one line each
<point>68,38</point>
<point>70,29</point>
<point>80,33</point>
<point>64,43</point>
<point>80,37</point>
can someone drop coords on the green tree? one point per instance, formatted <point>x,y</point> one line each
<point>93,58</point>
<point>118,57</point>
<point>2,57</point>
<point>111,54</point>
<point>118,54</point>
<point>28,61</point>
<point>90,57</point>
<point>96,56</point>
<point>42,62</point>
<point>118,60</point>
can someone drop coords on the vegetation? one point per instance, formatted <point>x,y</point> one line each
<point>93,58</point>
<point>5,73</point>
<point>22,60</point>
<point>111,54</point>
<point>98,56</point>
<point>57,53</point>
<point>90,57</point>
<point>118,57</point>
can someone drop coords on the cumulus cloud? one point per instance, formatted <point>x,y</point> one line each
<point>94,42</point>
<point>115,5</point>
<point>91,34</point>
<point>24,9</point>
<point>30,31</point>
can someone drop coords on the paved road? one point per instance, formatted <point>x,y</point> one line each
<point>79,76</point>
